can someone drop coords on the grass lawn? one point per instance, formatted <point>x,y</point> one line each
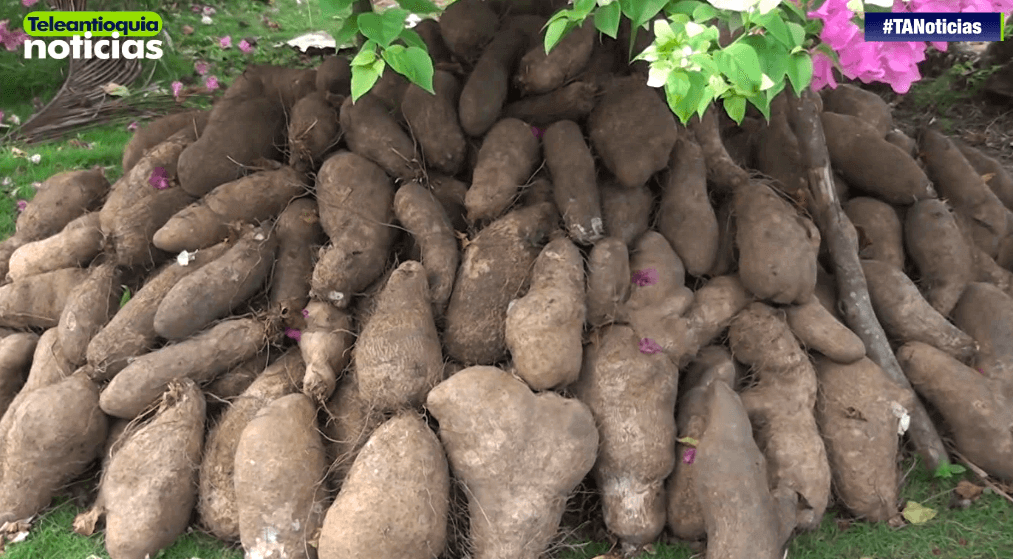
<point>977,532</point>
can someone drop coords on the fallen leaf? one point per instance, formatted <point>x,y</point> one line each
<point>916,513</point>
<point>17,151</point>
<point>187,30</point>
<point>968,490</point>
<point>115,89</point>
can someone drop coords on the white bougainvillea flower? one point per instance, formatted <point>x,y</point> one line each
<point>35,158</point>
<point>733,5</point>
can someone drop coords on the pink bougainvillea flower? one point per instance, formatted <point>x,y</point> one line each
<point>22,204</point>
<point>245,46</point>
<point>537,131</point>
<point>12,40</point>
<point>132,126</point>
<point>689,456</point>
<point>211,83</point>
<point>209,11</point>
<point>195,8</point>
<point>200,67</point>
<point>177,87</point>
<point>305,313</point>
<point>1,116</point>
<point>225,42</point>
<point>293,333</point>
<point>649,346</point>
<point>645,277</point>
<point>823,72</point>
<point>29,3</point>
<point>159,179</point>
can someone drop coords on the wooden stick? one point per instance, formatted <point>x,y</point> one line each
<point>853,291</point>
<point>983,476</point>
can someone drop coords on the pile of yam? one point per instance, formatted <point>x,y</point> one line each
<point>416,325</point>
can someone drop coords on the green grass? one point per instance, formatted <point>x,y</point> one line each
<point>52,538</point>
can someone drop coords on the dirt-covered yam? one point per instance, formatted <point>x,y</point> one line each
<point>395,499</point>
<point>89,307</point>
<point>38,301</point>
<point>880,230</point>
<point>608,280</point>
<point>312,130</point>
<point>75,245</point>
<point>574,181</point>
<point>433,122</point>
<point>59,200</point>
<point>516,488</point>
<point>420,211</point>
<point>632,130</point>
<point>508,156</point>
<point>686,217</point>
<point>541,73</point>
<point>373,133</point>
<point>940,252</point>
<point>279,469</point>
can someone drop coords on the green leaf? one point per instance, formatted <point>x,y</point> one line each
<point>413,63</point>
<point>746,60</point>
<point>797,33</point>
<point>704,12</point>
<point>663,33</point>
<point>419,6</point>
<point>735,106</point>
<point>582,8</point>
<point>706,62</point>
<point>774,23</point>
<point>800,71</point>
<point>641,11</point>
<point>126,296</point>
<point>683,7</point>
<point>687,104</point>
<point>346,34</point>
<point>364,77</point>
<point>772,54</point>
<point>688,441</point>
<point>606,19</point>
<point>677,83</point>
<point>762,103</point>
<point>554,33</point>
<point>916,513</point>
<point>335,9</point>
<point>383,28</point>
<point>366,55</point>
<point>412,39</point>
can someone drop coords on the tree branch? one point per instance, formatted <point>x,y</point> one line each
<point>853,291</point>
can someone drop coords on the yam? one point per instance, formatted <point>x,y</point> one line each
<point>89,307</point>
<point>158,130</point>
<point>879,224</point>
<point>52,437</point>
<point>312,130</point>
<point>740,513</point>
<point>632,130</point>
<point>782,407</point>
<point>251,199</point>
<point>240,130</point>
<point>75,245</point>
<point>230,384</point>
<point>131,331</point>
<point>848,99</point>
<point>133,237</point>
<point>350,423</point>
<point>965,190</point>
<point>395,500</point>
<point>872,164</point>
<point>973,406</point>
<point>777,246</point>
<point>907,316</point>
<point>631,394</point>
<point>219,511</point>
<point>299,237</point>
<point>939,250</point>
<point>856,412</point>
<point>431,34</point>
<point>776,152</point>
<point>370,131</point>
<point>280,84</point>
<point>149,487</point>
<point>433,122</point>
<point>326,346</point>
<point>134,187</point>
<point>278,472</point>
<point>451,193</point>
<point>200,358</point>
<point>398,357</point>
<point>658,293</point>
<point>995,175</point>
<point>608,281</point>
<point>516,488</point>
<point>494,270</point>
<point>575,187</point>
<point>485,91</point>
<point>508,157</point>
<point>544,328</point>
<point>355,201</point>
<point>686,217</point>
<point>685,517</point>
<point>421,213</point>
<point>818,329</point>
<point>985,313</point>
<point>334,75</point>
<point>903,141</point>
<point>37,301</point>
<point>467,26</point>
<point>571,102</point>
<point>16,353</point>
<point>542,72</point>
<point>61,198</point>
<point>235,276</point>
